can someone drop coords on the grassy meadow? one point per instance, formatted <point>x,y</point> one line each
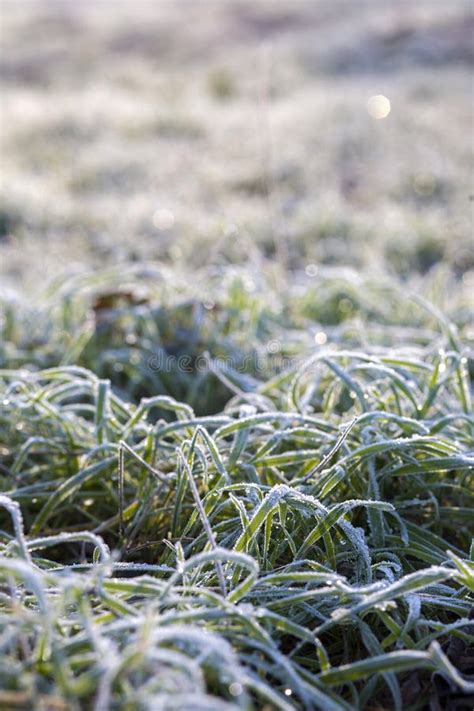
<point>236,337</point>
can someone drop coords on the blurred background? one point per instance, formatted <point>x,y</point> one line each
<point>315,133</point>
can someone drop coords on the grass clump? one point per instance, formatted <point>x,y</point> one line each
<point>307,545</point>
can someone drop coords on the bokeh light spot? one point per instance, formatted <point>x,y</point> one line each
<point>378,106</point>
<point>235,689</point>
<point>163,219</point>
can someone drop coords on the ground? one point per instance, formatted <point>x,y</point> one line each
<point>236,431</point>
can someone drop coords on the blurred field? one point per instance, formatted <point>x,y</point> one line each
<point>205,132</point>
